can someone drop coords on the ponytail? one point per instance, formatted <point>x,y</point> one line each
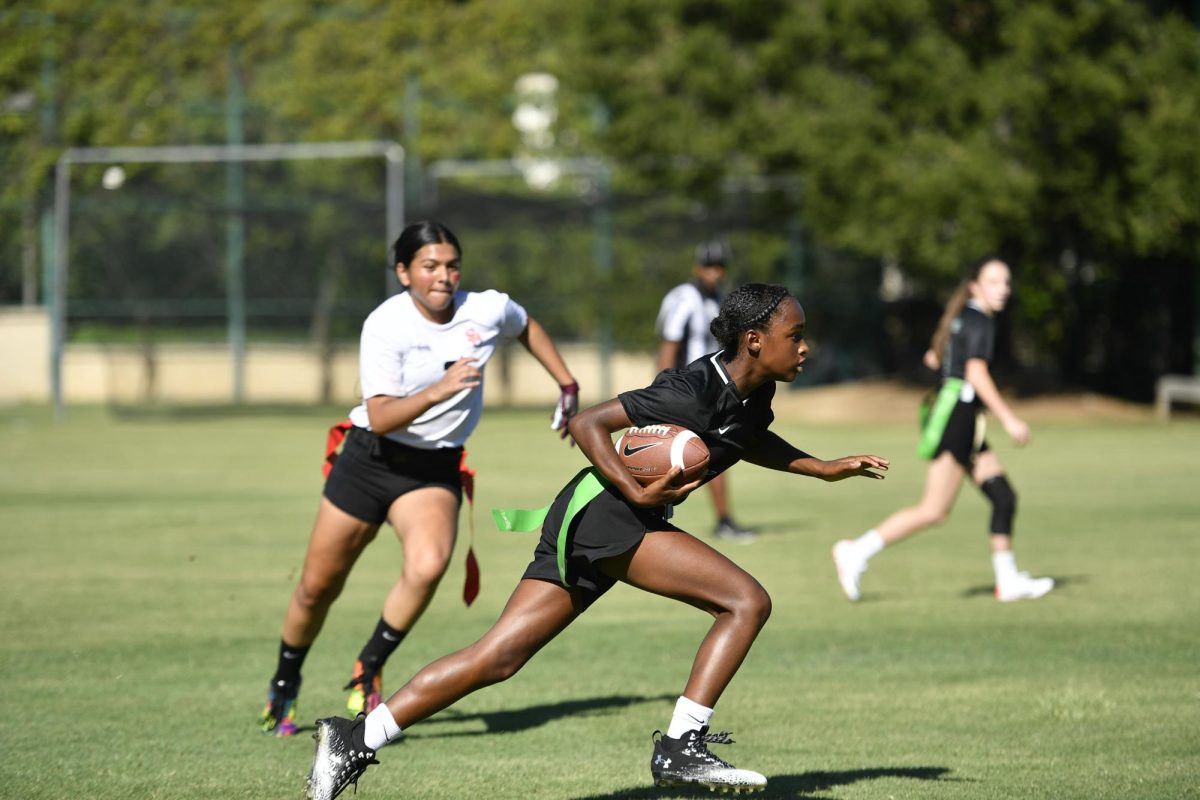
<point>954,306</point>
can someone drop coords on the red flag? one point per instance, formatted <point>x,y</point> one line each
<point>471,584</point>
<point>337,434</point>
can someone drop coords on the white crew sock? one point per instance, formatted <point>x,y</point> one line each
<point>869,544</point>
<point>380,728</point>
<point>1005,565</point>
<point>688,716</point>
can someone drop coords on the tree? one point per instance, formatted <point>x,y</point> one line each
<point>1059,135</point>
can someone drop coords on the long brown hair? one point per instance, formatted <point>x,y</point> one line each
<point>954,305</point>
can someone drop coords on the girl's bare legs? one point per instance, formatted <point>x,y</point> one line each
<point>680,566</point>
<point>667,563</point>
<point>942,483</point>
<point>426,522</point>
<point>337,541</point>
<point>676,565</point>
<point>536,612</point>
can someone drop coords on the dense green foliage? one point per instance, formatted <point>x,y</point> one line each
<point>919,133</point>
<point>1062,135</point>
<point>147,561</point>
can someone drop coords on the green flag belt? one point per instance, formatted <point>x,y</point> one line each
<point>590,484</point>
<point>935,414</point>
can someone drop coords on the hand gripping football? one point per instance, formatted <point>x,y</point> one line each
<point>650,451</point>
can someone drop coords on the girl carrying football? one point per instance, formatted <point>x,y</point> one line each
<point>953,438</point>
<point>617,530</point>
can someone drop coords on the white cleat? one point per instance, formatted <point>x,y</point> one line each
<point>850,567</point>
<point>686,761</point>
<point>1022,587</point>
<point>340,759</point>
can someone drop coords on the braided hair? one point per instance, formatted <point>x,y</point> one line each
<point>748,307</point>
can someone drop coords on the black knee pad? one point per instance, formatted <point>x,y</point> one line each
<point>1004,503</point>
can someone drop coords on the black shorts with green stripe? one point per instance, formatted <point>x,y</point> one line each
<point>606,527</point>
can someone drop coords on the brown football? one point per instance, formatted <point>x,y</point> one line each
<point>650,451</point>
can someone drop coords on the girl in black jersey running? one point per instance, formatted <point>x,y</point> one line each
<point>622,534</point>
<point>953,437</point>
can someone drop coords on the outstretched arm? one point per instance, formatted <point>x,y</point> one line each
<point>773,452</point>
<point>593,430</point>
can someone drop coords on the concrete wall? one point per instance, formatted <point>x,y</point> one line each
<point>275,373</point>
<point>24,354</point>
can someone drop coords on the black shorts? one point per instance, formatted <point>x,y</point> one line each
<point>373,471</point>
<point>606,527</point>
<point>959,436</point>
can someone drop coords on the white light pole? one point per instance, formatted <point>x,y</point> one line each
<point>534,118</point>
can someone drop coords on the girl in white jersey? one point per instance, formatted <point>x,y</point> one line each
<point>421,368</point>
<point>953,438</point>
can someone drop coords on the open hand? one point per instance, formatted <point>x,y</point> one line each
<point>851,466</point>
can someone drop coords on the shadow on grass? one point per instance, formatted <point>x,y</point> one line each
<point>781,527</point>
<point>794,786</point>
<point>989,590</point>
<point>524,719</point>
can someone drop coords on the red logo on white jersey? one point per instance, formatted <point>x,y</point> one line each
<point>473,337</point>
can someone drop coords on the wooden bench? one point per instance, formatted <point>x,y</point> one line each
<point>1175,389</point>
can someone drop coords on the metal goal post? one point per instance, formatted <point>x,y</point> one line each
<point>233,154</point>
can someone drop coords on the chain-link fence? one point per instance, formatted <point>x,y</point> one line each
<point>151,250</point>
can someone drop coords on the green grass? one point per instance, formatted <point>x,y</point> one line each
<point>146,560</point>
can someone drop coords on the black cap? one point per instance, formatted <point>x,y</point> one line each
<point>712,254</point>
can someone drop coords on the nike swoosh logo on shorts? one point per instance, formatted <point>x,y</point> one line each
<point>722,430</point>
<point>631,450</point>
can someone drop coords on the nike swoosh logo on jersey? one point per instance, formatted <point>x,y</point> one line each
<point>631,450</point>
<point>722,430</point>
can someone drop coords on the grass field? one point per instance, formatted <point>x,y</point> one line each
<point>146,559</point>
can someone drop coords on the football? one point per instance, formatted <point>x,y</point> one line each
<point>650,451</point>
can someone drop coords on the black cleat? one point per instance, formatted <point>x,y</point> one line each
<point>686,761</point>
<point>341,757</point>
<point>730,531</point>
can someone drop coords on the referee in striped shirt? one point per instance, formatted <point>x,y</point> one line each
<point>684,336</point>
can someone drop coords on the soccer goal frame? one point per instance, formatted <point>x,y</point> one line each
<point>391,152</point>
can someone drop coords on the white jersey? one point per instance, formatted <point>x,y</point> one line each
<point>684,316</point>
<point>402,352</point>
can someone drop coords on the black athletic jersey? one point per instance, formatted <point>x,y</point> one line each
<point>702,398</point>
<point>972,335</point>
